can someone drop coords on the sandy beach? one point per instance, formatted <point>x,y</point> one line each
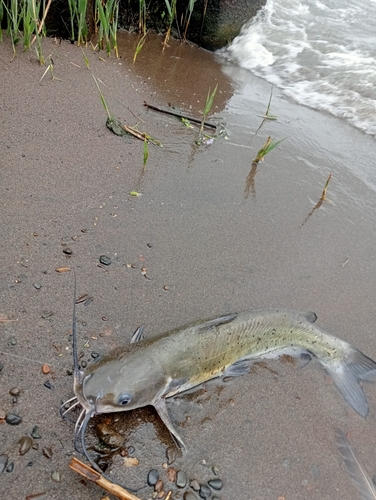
<point>196,243</point>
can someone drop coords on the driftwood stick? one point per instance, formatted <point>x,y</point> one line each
<point>169,111</point>
<point>92,475</point>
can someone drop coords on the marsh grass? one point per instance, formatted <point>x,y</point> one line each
<point>321,200</point>
<point>139,46</point>
<point>269,145</point>
<point>102,99</point>
<point>171,10</point>
<point>207,108</point>
<point>146,152</point>
<point>107,20</point>
<point>267,116</point>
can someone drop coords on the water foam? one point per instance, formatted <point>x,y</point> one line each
<point>321,53</point>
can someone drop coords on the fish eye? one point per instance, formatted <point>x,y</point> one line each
<point>124,399</point>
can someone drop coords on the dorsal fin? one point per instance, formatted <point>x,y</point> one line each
<point>216,322</point>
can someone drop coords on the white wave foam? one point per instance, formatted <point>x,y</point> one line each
<point>322,55</point>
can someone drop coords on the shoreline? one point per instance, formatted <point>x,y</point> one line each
<point>65,182</point>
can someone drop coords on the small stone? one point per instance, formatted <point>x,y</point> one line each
<point>45,369</point>
<point>170,455</point>
<point>131,450</point>
<point>25,444</point>
<point>158,487</point>
<point>123,452</point>
<point>3,462</point>
<point>109,436</point>
<point>12,341</point>
<point>62,269</point>
<point>215,470</point>
<point>131,461</point>
<point>83,364</point>
<point>216,484</point>
<point>153,477</point>
<point>95,355</point>
<point>67,251</point>
<point>102,449</point>
<point>88,301</point>
<point>46,314</point>
<point>37,286</point>
<point>35,433</point>
<point>106,261</point>
<point>48,385</point>
<point>204,491</point>
<point>47,452</point>
<point>56,476</point>
<point>188,495</point>
<point>35,446</point>
<point>29,464</point>
<point>13,419</point>
<point>171,474</point>
<point>161,494</point>
<point>10,467</point>
<point>15,391</point>
<point>181,479</point>
<point>194,485</point>
<point>14,400</point>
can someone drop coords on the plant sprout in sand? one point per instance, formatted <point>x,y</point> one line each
<point>269,145</point>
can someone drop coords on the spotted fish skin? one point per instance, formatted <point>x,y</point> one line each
<point>149,371</point>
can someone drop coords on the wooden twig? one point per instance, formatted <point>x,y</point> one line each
<point>169,111</point>
<point>92,475</point>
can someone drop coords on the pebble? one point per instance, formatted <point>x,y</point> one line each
<point>48,384</point>
<point>83,364</point>
<point>188,495</point>
<point>153,477</point>
<point>216,484</point>
<point>131,450</point>
<point>95,355</point>
<point>67,251</point>
<point>171,474</point>
<point>35,433</point>
<point>106,261</point>
<point>55,476</point>
<point>3,462</point>
<point>45,369</point>
<point>170,455</point>
<point>194,485</point>
<point>12,341</point>
<point>15,391</point>
<point>47,452</point>
<point>37,286</point>
<point>215,470</point>
<point>204,491</point>
<point>108,436</point>
<point>158,487</point>
<point>35,446</point>
<point>10,467</point>
<point>25,444</point>
<point>181,479</point>
<point>13,419</point>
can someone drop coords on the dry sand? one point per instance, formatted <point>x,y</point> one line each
<point>65,181</point>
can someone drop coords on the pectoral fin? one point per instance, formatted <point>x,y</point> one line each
<point>138,335</point>
<point>161,408</point>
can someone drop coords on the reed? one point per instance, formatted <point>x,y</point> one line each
<point>269,145</point>
<point>207,108</point>
<point>107,14</point>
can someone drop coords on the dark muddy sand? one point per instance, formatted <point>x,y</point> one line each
<point>209,245</point>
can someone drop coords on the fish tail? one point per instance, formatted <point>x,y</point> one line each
<point>347,374</point>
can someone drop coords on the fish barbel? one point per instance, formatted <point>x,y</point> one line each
<point>146,372</point>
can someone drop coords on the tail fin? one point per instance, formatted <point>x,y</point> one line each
<point>347,373</point>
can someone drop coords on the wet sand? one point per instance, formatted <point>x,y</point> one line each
<point>208,249</point>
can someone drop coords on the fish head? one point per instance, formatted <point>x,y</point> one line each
<point>121,382</point>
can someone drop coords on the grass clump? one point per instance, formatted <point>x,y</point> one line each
<point>269,145</point>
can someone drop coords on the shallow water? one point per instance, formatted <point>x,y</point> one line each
<point>321,54</point>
